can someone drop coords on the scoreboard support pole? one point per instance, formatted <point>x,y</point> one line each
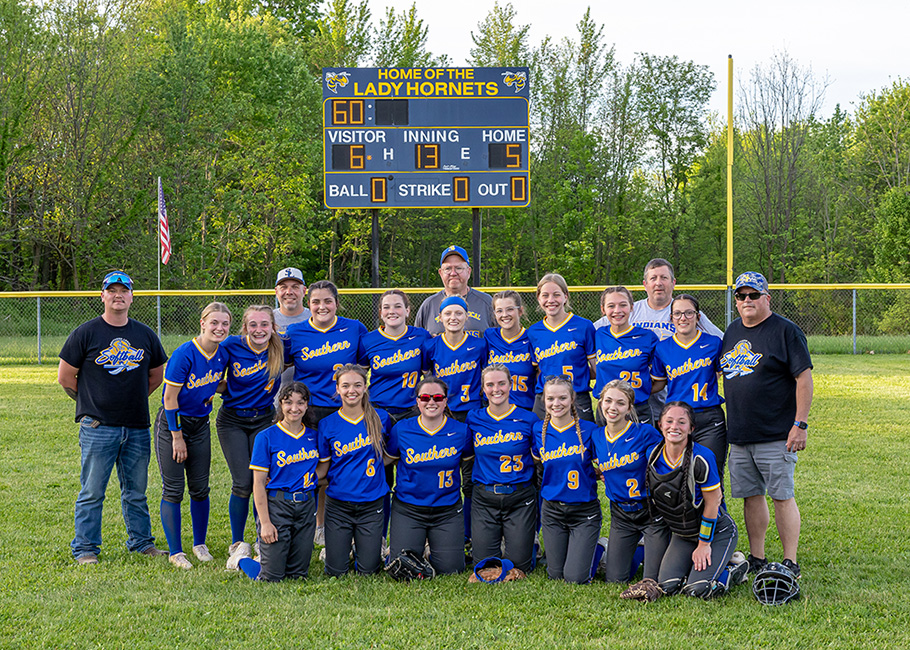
<point>375,247</point>
<point>374,254</point>
<point>475,243</point>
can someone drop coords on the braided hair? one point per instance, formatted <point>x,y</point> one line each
<point>561,381</point>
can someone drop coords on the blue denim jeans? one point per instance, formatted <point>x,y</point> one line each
<point>104,447</point>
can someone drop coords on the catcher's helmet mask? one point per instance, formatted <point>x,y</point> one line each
<point>775,584</point>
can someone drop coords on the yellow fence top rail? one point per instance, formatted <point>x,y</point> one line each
<point>680,288</point>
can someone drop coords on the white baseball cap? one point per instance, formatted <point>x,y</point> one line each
<point>289,273</point>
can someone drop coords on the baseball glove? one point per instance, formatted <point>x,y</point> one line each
<point>646,590</point>
<point>410,566</point>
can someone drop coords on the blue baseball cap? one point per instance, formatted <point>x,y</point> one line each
<point>454,250</point>
<point>752,279</point>
<point>117,277</point>
<point>453,300</point>
<point>491,562</point>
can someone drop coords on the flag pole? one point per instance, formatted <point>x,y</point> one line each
<point>158,297</point>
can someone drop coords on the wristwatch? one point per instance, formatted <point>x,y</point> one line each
<point>800,425</point>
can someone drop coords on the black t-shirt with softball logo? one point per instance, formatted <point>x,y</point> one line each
<point>760,366</point>
<point>114,363</point>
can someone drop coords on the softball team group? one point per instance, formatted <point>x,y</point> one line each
<point>505,417</point>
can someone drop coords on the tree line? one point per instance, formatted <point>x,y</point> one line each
<point>222,100</point>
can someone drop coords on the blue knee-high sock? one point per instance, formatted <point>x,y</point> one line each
<point>238,511</point>
<point>250,567</point>
<point>199,511</point>
<point>170,521</point>
<point>467,519</point>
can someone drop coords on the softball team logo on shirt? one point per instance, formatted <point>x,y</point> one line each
<point>739,361</point>
<point>120,356</point>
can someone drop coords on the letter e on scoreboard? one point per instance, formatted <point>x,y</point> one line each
<point>462,189</point>
<point>378,192</point>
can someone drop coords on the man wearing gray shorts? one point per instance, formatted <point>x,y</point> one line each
<point>768,389</point>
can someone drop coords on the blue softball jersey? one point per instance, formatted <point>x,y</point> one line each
<point>623,460</point>
<point>248,383</point>
<point>197,374</point>
<point>501,445</point>
<point>517,355</point>
<point>568,470</point>
<point>429,465</point>
<point>289,459</point>
<point>356,472</point>
<point>563,350</point>
<point>627,356</point>
<point>396,364</point>
<point>459,367</point>
<point>316,353</point>
<point>690,370</point>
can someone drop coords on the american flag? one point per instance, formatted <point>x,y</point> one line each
<point>164,232</point>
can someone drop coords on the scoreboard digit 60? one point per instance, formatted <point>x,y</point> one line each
<point>425,137</point>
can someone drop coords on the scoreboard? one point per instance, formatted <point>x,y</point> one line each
<point>425,137</point>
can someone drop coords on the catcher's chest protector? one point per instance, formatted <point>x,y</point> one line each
<point>672,495</point>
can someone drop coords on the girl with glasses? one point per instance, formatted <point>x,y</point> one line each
<point>426,507</point>
<point>688,363</point>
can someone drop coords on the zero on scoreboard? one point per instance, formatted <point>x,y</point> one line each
<point>425,137</point>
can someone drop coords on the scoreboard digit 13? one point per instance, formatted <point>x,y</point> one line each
<point>425,137</point>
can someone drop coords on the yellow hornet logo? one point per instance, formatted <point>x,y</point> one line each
<point>516,80</point>
<point>336,80</point>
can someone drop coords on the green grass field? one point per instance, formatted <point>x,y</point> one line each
<point>852,487</point>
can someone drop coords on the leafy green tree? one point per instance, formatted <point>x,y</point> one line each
<point>500,41</point>
<point>401,42</point>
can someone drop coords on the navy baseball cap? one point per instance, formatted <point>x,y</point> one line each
<point>454,250</point>
<point>289,273</point>
<point>117,277</point>
<point>752,279</point>
<point>506,565</point>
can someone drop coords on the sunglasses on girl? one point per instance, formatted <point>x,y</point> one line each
<point>435,398</point>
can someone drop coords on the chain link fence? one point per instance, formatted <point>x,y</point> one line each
<point>836,319</point>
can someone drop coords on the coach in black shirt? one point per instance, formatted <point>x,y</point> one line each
<point>110,365</point>
<point>768,389</point>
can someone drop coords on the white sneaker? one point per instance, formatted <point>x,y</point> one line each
<point>201,551</point>
<point>236,552</point>
<point>179,560</point>
<point>319,538</point>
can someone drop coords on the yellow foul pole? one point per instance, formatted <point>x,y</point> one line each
<point>730,171</point>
